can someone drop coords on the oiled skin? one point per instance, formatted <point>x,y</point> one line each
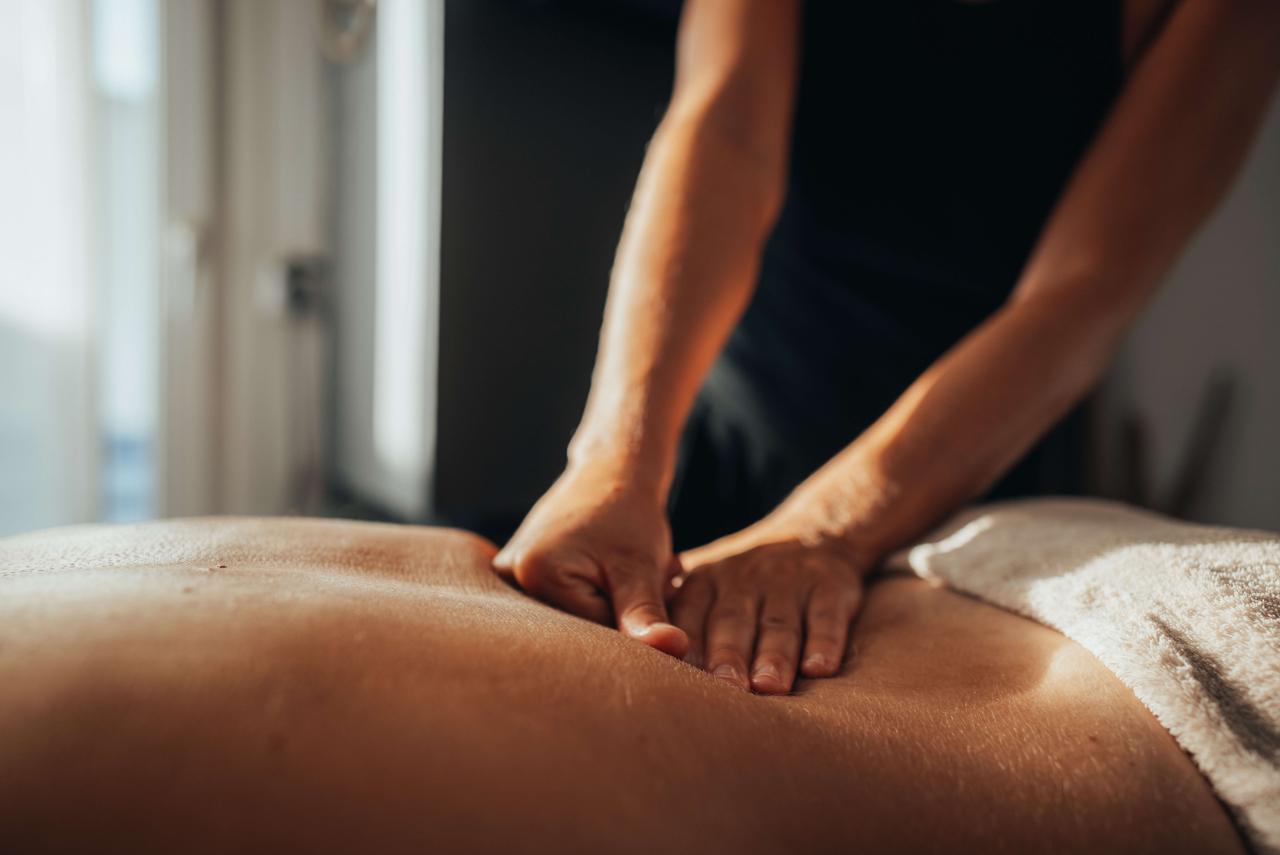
<point>264,685</point>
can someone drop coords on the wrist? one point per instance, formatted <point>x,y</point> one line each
<point>844,507</point>
<point>800,523</point>
<point>622,469</point>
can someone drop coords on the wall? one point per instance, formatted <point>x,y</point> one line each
<point>547,112</point>
<point>1219,312</point>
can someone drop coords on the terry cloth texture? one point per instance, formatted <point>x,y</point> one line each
<point>1187,616</point>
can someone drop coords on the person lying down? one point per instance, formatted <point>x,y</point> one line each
<point>303,685</point>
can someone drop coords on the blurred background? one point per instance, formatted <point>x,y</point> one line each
<point>343,258</point>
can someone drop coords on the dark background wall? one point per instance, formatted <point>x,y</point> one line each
<point>548,107</point>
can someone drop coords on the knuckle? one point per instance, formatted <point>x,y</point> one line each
<point>549,574</point>
<point>732,603</point>
<point>538,561</point>
<point>733,610</point>
<point>825,613</point>
<point>826,629</point>
<point>696,585</point>
<point>731,628</point>
<point>722,655</point>
<point>730,610</point>
<point>779,644</point>
<point>533,570</point>
<point>824,638</point>
<point>777,621</point>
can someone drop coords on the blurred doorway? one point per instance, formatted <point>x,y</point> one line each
<point>79,288</point>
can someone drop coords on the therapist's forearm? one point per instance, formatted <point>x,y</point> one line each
<point>683,274</point>
<point>711,186</point>
<point>961,425</point>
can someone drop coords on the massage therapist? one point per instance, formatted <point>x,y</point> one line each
<point>876,255</point>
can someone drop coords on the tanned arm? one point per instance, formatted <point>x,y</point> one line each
<point>1165,156</point>
<point>598,543</point>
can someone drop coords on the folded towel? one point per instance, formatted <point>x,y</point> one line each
<point>1187,616</point>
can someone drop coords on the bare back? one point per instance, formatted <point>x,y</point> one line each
<point>277,683</point>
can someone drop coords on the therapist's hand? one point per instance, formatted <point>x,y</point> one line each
<point>598,545</point>
<point>769,601</point>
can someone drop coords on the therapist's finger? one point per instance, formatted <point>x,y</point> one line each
<point>778,645</point>
<point>640,608</point>
<point>689,611</point>
<point>731,634</point>
<point>831,608</point>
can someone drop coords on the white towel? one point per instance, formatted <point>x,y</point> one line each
<point>1187,616</point>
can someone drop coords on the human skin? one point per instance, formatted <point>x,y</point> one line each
<point>289,685</point>
<point>774,599</point>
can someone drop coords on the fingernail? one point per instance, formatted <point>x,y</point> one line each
<point>646,628</point>
<point>727,673</point>
<point>767,676</point>
<point>817,660</point>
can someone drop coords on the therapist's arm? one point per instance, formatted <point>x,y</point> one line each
<point>597,543</point>
<point>1174,140</point>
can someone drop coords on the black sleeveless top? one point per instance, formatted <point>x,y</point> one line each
<point>931,140</point>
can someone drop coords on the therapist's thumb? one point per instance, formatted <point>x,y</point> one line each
<point>636,593</point>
